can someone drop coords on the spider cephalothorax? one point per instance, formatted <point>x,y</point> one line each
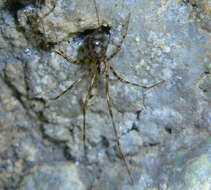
<point>95,45</point>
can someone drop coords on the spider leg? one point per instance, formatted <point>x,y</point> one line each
<point>62,54</point>
<point>39,20</point>
<point>49,12</point>
<point>97,13</point>
<point>134,84</point>
<point>112,118</point>
<point>84,112</point>
<point>121,42</point>
<point>100,30</point>
<point>71,86</point>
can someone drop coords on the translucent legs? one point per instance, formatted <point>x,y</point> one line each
<point>112,118</point>
<point>134,84</point>
<point>71,86</point>
<point>84,112</point>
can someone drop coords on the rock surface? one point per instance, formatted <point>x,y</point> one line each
<point>164,131</point>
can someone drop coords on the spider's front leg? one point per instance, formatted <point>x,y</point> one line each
<point>40,19</point>
<point>121,42</point>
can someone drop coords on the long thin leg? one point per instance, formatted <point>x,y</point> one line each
<point>71,86</point>
<point>62,54</point>
<point>134,84</point>
<point>121,42</point>
<point>112,118</point>
<point>49,12</point>
<point>84,112</point>
<point>100,29</point>
<point>97,13</point>
<point>40,19</point>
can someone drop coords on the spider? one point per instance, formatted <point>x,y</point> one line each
<point>95,44</point>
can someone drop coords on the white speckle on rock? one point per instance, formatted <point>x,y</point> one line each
<point>137,40</point>
<point>167,73</point>
<point>167,49</point>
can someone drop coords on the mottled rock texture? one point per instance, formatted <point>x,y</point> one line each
<point>164,131</point>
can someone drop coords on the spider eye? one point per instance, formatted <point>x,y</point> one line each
<point>97,43</point>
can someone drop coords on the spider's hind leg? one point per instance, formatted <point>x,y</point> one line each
<point>62,54</point>
<point>71,86</point>
<point>84,113</point>
<point>113,123</point>
<point>134,84</point>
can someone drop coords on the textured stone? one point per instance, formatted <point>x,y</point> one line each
<point>41,139</point>
<point>190,169</point>
<point>57,176</point>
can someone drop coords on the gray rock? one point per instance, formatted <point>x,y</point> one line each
<point>201,10</point>
<point>46,177</point>
<point>166,40</point>
<point>190,169</point>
